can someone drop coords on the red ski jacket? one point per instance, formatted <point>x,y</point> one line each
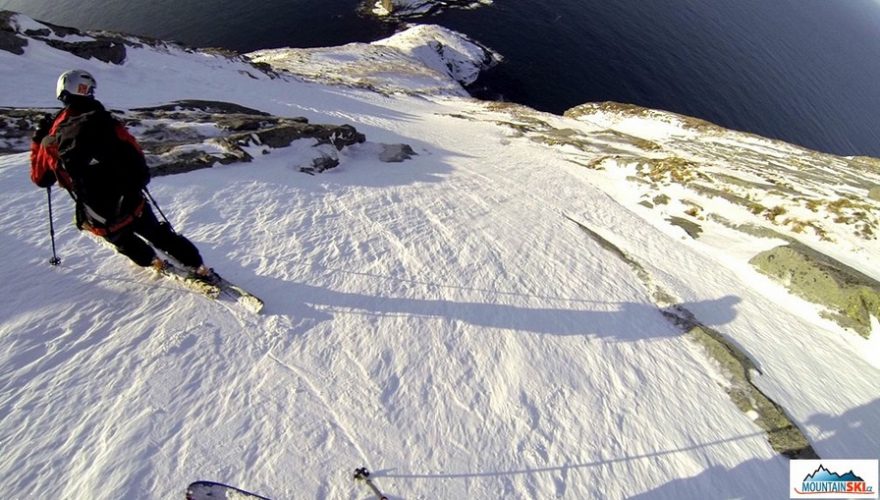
<point>46,169</point>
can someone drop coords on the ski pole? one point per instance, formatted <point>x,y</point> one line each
<point>54,260</point>
<point>363,474</point>
<point>153,201</point>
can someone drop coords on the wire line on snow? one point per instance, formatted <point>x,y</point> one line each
<point>560,468</point>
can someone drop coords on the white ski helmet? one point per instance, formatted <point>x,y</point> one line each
<point>75,82</point>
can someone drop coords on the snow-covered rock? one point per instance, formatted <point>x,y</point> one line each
<point>16,30</point>
<point>190,135</point>
<point>424,59</point>
<point>417,8</point>
<point>445,51</point>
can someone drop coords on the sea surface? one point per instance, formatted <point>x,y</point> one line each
<point>805,71</point>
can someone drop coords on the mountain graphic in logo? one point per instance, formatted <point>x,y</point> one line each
<point>823,474</point>
<point>821,479</point>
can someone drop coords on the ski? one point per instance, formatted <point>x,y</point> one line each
<point>185,278</point>
<point>214,287</point>
<point>234,292</point>
<point>363,475</point>
<point>209,490</point>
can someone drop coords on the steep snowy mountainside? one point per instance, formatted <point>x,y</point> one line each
<point>819,198</point>
<point>808,219</point>
<point>424,59</point>
<point>512,312</point>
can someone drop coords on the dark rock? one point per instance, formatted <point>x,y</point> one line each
<point>396,153</point>
<point>341,136</point>
<point>38,33</point>
<point>218,107</point>
<point>264,68</point>
<point>282,136</point>
<point>690,227</point>
<point>320,164</point>
<point>6,21</point>
<point>62,31</point>
<point>244,123</point>
<point>10,42</point>
<point>109,51</point>
<point>228,53</point>
<point>196,160</point>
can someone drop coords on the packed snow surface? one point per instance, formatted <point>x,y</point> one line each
<point>439,321</point>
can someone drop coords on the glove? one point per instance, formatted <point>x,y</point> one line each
<point>42,129</point>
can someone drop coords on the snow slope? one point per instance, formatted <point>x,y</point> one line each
<point>423,60</point>
<point>439,321</point>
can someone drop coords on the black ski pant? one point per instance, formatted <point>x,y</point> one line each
<point>131,241</point>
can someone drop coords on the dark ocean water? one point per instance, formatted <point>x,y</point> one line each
<point>805,71</point>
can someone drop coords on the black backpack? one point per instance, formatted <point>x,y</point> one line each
<point>103,167</point>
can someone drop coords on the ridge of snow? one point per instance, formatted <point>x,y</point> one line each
<point>423,59</point>
<point>444,50</point>
<point>23,23</point>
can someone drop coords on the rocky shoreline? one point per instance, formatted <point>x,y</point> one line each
<point>400,9</point>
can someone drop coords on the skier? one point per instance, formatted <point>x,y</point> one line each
<point>92,155</point>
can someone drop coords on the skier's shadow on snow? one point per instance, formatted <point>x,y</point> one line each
<point>755,478</point>
<point>623,321</point>
<point>741,481</point>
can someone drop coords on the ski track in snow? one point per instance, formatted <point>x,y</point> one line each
<point>439,321</point>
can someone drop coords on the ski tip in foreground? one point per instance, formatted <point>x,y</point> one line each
<point>209,490</point>
<point>251,303</point>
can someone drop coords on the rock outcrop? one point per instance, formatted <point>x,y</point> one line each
<point>417,8</point>
<point>191,135</point>
<point>18,32</point>
<point>14,36</point>
<point>849,297</point>
<point>9,40</point>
